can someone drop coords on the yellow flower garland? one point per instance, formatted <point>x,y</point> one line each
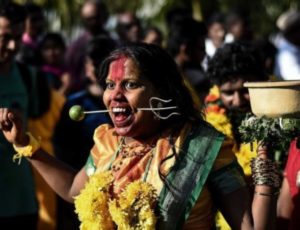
<point>221,123</point>
<point>133,210</point>
<point>92,203</point>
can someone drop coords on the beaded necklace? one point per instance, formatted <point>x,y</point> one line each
<point>132,150</point>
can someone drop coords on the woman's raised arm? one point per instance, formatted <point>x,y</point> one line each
<point>64,180</point>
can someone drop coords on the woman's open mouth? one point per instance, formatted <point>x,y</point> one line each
<point>122,116</point>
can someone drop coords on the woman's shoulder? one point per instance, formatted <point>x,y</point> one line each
<point>106,143</point>
<point>105,136</point>
<point>103,130</point>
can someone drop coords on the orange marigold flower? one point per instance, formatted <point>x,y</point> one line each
<point>211,98</point>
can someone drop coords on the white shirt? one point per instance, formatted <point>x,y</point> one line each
<point>287,63</point>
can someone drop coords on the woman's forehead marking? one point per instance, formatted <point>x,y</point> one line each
<point>117,68</point>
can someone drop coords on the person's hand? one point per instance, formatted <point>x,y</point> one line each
<point>11,125</point>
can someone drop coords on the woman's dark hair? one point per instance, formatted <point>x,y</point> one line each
<point>160,69</point>
<point>233,61</point>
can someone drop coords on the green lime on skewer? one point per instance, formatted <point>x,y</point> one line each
<point>76,113</point>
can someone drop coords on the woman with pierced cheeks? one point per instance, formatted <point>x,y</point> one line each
<point>160,166</point>
<point>126,91</point>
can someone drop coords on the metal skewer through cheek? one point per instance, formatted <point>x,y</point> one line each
<point>151,108</point>
<point>160,108</point>
<point>96,111</point>
<point>141,109</point>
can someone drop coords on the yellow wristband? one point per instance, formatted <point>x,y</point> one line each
<point>28,150</point>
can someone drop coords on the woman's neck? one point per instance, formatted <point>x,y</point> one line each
<point>150,140</point>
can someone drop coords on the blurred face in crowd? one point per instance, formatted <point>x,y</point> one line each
<point>153,37</point>
<point>238,29</point>
<point>10,39</point>
<point>129,27</point>
<point>216,32</point>
<point>235,96</point>
<point>126,91</point>
<point>52,53</point>
<point>35,24</point>
<point>92,18</point>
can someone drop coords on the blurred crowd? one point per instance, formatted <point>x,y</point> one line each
<point>43,75</point>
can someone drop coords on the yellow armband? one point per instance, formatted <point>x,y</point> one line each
<point>28,150</point>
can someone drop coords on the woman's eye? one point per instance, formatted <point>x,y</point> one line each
<point>109,85</point>
<point>131,85</point>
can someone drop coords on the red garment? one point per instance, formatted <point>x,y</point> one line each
<point>292,167</point>
<point>291,170</point>
<point>56,71</point>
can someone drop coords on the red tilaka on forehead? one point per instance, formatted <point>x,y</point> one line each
<point>117,68</point>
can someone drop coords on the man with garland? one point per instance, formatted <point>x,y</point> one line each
<point>228,101</point>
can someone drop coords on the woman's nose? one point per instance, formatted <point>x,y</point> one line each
<point>117,93</point>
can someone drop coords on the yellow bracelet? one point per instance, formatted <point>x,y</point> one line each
<point>28,150</point>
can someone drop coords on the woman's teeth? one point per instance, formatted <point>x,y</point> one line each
<point>118,110</point>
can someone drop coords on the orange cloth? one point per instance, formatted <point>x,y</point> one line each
<point>43,127</point>
<point>133,168</point>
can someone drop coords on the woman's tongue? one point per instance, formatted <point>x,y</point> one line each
<point>119,117</point>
